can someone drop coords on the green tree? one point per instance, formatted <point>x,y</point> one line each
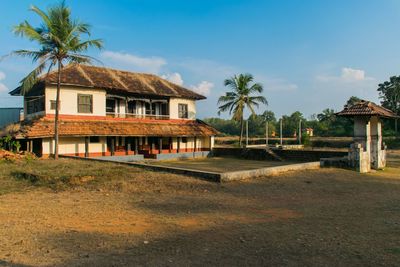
<point>389,92</point>
<point>241,97</point>
<point>60,42</point>
<point>352,101</point>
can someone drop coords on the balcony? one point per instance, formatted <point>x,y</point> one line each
<point>136,116</point>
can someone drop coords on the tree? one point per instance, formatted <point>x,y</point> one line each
<point>352,101</point>
<point>59,39</point>
<point>389,92</point>
<point>241,97</point>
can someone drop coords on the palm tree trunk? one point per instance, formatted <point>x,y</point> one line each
<point>57,111</point>
<point>241,132</point>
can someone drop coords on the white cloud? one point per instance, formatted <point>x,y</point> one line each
<point>273,84</point>
<point>203,88</point>
<point>3,88</point>
<point>353,74</point>
<point>174,78</point>
<point>146,64</point>
<point>348,75</point>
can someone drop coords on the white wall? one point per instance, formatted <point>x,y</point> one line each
<point>72,145</point>
<point>173,108</point>
<point>69,100</point>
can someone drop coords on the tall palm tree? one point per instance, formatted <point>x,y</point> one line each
<point>60,42</point>
<point>241,97</point>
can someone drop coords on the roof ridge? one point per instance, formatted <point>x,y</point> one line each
<point>116,77</point>
<point>85,75</point>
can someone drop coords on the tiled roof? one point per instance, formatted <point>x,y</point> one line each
<point>44,127</point>
<point>366,108</point>
<point>117,81</point>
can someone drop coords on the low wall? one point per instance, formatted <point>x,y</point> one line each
<point>308,155</point>
<point>127,158</point>
<point>270,171</point>
<point>184,155</point>
<point>301,155</point>
<point>245,153</point>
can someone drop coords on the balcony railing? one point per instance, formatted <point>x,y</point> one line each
<point>137,116</point>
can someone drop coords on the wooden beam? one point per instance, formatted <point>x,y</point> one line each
<point>160,145</point>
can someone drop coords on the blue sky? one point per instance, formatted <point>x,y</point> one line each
<point>309,55</point>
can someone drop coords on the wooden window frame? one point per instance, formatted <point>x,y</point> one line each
<point>84,104</point>
<point>53,102</point>
<point>183,114</point>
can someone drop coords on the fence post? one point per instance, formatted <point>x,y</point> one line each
<point>266,133</point>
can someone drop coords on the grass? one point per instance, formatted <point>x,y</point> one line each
<point>60,175</point>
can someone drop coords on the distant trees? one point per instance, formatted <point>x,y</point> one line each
<point>244,94</point>
<point>325,123</point>
<point>389,93</point>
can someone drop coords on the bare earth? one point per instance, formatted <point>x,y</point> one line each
<point>127,216</point>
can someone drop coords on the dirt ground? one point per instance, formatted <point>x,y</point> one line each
<point>220,165</point>
<point>130,217</point>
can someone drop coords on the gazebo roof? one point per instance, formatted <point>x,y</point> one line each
<point>367,108</point>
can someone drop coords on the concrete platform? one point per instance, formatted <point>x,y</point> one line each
<point>218,176</point>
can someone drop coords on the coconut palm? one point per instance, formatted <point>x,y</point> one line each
<point>60,42</point>
<point>241,97</point>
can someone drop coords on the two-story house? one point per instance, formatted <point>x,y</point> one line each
<point>107,112</point>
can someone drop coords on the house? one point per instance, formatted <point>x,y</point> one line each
<point>9,115</point>
<point>107,112</point>
<point>309,131</point>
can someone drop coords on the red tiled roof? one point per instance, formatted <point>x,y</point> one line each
<point>117,81</point>
<point>366,108</point>
<point>44,127</point>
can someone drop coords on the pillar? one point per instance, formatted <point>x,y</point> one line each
<point>112,148</point>
<point>86,147</point>
<point>178,140</point>
<point>170,144</point>
<point>127,145</point>
<point>136,139</point>
<point>160,145</point>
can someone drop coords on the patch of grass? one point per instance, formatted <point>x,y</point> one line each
<point>58,174</point>
<point>394,250</point>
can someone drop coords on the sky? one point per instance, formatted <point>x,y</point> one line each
<point>309,55</point>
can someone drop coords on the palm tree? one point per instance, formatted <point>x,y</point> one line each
<point>241,97</point>
<point>59,39</point>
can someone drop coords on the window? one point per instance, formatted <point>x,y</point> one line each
<point>94,139</point>
<point>184,140</point>
<point>183,111</point>
<point>132,107</point>
<point>85,103</point>
<point>34,105</point>
<point>53,105</point>
<point>110,105</point>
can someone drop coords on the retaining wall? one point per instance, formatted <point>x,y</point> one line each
<point>245,153</point>
<point>308,155</point>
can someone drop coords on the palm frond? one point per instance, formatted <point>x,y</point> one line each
<point>30,80</point>
<point>42,14</point>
